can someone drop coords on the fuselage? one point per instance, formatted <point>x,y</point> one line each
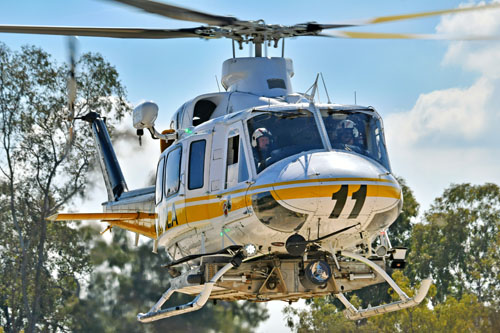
<point>215,187</point>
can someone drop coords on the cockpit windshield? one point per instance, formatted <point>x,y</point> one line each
<point>277,135</point>
<point>358,132</point>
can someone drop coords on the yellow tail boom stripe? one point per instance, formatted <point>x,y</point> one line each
<point>102,216</point>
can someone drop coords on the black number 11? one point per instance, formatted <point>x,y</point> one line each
<point>341,197</point>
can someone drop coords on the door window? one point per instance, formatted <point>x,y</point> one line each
<point>243,168</point>
<point>233,144</point>
<point>196,164</point>
<point>159,180</point>
<point>173,171</point>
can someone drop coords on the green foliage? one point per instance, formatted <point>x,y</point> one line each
<point>400,230</point>
<point>128,280</point>
<point>42,170</point>
<point>53,277</point>
<point>458,243</point>
<point>322,317</point>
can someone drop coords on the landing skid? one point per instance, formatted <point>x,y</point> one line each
<point>406,302</point>
<point>155,313</point>
<point>280,277</point>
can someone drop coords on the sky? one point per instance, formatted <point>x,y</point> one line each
<point>439,100</point>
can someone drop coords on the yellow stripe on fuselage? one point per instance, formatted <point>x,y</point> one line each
<point>293,182</point>
<point>206,210</point>
<point>322,191</point>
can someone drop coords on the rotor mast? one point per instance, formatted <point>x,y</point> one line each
<point>258,49</point>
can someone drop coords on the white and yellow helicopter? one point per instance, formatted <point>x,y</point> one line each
<point>261,193</point>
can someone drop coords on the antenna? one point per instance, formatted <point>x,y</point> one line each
<point>314,88</point>
<point>326,90</point>
<point>355,102</point>
<point>217,80</point>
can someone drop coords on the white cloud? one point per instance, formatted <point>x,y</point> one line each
<point>443,115</point>
<point>481,22</point>
<point>474,56</point>
<point>453,135</point>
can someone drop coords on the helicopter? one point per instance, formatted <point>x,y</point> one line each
<point>261,192</point>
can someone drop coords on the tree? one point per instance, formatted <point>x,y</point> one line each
<point>41,171</point>
<point>458,243</point>
<point>128,280</point>
<point>400,230</point>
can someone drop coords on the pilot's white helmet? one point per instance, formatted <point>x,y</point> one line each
<point>258,133</point>
<point>348,125</point>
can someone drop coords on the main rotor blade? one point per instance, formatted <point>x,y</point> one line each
<point>180,13</point>
<point>101,32</point>
<point>382,35</point>
<point>392,18</point>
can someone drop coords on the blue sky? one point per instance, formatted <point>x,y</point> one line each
<point>389,75</point>
<point>439,99</point>
<point>385,74</point>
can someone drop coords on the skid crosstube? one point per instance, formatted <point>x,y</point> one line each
<point>406,302</point>
<point>155,313</point>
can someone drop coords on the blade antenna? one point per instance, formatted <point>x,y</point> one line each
<point>326,90</point>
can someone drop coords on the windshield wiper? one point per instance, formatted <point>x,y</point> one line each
<point>290,115</point>
<point>284,115</point>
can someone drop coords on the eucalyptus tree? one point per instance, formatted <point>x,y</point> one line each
<point>43,168</point>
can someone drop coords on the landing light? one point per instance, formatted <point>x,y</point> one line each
<point>250,250</point>
<point>399,253</point>
<point>398,257</point>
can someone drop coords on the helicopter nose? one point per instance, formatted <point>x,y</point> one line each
<point>328,185</point>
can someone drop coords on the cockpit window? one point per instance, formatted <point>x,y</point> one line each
<point>357,132</point>
<point>277,135</point>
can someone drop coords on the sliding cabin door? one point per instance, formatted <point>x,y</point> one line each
<point>229,173</point>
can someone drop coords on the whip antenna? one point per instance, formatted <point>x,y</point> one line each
<point>326,90</point>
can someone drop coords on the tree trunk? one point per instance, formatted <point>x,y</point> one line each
<point>33,317</point>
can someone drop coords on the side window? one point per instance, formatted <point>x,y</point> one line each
<point>243,168</point>
<point>173,171</point>
<point>233,144</point>
<point>196,164</point>
<point>159,180</point>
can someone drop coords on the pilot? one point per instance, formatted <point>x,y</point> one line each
<point>347,135</point>
<point>262,140</point>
